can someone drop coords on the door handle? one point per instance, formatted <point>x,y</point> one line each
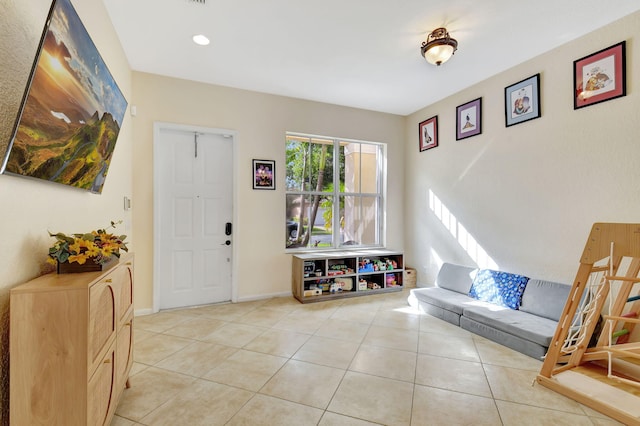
<point>226,243</point>
<point>227,228</point>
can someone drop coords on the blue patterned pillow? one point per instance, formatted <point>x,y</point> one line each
<point>500,288</point>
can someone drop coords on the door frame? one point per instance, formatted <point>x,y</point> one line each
<point>158,126</point>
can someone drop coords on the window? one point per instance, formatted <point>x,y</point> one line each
<point>334,192</point>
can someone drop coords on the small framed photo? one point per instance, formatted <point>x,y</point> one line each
<point>522,101</point>
<point>469,119</point>
<point>600,77</point>
<point>428,130</point>
<point>264,174</point>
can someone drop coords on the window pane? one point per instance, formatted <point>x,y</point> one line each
<point>369,168</point>
<point>309,165</point>
<point>312,195</point>
<point>350,174</point>
<point>361,167</point>
<point>360,221</point>
<point>309,209</point>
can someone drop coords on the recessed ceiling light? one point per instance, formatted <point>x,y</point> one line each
<point>200,39</point>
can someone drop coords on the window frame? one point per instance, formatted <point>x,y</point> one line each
<point>337,195</point>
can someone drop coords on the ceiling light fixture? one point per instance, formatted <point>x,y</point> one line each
<point>439,47</point>
<point>200,39</point>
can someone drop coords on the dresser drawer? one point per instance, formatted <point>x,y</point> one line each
<point>100,389</point>
<point>102,319</point>
<point>124,352</point>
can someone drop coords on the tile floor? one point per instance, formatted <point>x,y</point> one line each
<point>360,361</point>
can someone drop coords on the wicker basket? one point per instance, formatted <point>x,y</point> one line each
<point>409,279</point>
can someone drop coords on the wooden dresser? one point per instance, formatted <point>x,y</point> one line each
<point>71,346</point>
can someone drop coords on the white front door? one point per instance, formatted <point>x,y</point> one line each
<point>193,223</point>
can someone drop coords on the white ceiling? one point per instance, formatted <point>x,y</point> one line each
<point>358,53</point>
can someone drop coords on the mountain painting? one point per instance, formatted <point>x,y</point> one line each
<point>72,114</point>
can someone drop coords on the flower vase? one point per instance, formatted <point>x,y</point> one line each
<point>88,266</point>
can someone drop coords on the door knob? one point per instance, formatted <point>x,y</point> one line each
<point>226,243</point>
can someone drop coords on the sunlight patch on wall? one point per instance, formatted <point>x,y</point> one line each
<point>477,253</point>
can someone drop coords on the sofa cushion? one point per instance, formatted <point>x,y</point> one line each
<point>500,288</point>
<point>446,299</point>
<point>442,298</point>
<point>545,298</point>
<point>521,324</point>
<point>455,277</point>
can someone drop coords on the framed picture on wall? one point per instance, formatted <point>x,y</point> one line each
<point>428,133</point>
<point>264,174</point>
<point>469,119</point>
<point>522,101</point>
<point>600,77</point>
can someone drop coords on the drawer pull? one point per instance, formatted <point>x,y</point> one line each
<point>107,361</point>
<point>108,280</point>
<point>128,323</point>
<point>128,263</point>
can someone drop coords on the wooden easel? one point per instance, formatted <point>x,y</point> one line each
<point>604,376</point>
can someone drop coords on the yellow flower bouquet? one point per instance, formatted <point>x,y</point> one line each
<point>98,247</point>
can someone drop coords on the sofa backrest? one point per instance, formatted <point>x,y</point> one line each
<point>545,298</point>
<point>456,278</point>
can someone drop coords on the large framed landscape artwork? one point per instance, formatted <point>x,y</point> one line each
<point>72,111</point>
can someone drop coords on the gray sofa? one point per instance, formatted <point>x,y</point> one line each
<point>528,329</point>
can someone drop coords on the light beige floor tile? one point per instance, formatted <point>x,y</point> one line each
<point>202,403</point>
<point>197,359</point>
<point>354,313</point>
<point>493,353</point>
<point>261,317</point>
<point>227,311</point>
<point>236,335</point>
<point>149,389</point>
<point>381,334</point>
<point>325,351</point>
<point>300,323</point>
<point>278,342</point>
<point>159,322</point>
<point>246,369</point>
<point>385,362</point>
<point>394,338</point>
<point>136,367</point>
<point>598,421</point>
<point>333,419</point>
<point>515,385</point>
<point>304,383</point>
<point>158,347</point>
<point>263,410</point>
<point>455,347</point>
<point>287,304</point>
<point>139,335</point>
<point>593,414</point>
<point>369,302</point>
<point>429,324</point>
<point>121,421</point>
<point>433,406</point>
<point>513,414</point>
<point>452,374</point>
<point>397,319</point>
<point>374,399</point>
<point>322,310</point>
<point>196,328</point>
<point>341,329</point>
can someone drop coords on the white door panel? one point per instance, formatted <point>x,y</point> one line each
<point>194,190</point>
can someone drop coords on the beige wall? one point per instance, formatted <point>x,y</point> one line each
<point>261,265</point>
<point>31,208</point>
<point>528,194</point>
